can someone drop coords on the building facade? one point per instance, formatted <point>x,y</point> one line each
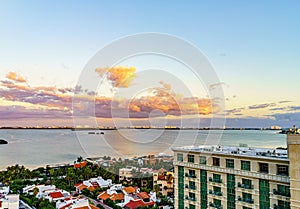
<point>238,177</point>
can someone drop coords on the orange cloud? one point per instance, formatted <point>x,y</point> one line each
<point>120,76</point>
<point>15,77</point>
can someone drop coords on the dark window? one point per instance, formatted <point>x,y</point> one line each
<point>216,161</point>
<point>191,158</point>
<point>202,160</point>
<point>191,206</point>
<point>247,184</point>
<point>264,167</point>
<point>245,165</point>
<point>217,203</point>
<point>283,204</point>
<point>192,185</point>
<point>229,163</point>
<point>283,190</point>
<point>247,198</point>
<point>180,157</point>
<point>192,196</point>
<point>192,173</point>
<point>217,178</point>
<point>283,170</point>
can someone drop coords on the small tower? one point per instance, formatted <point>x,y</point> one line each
<point>293,144</point>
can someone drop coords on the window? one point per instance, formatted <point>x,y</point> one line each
<point>217,178</point>
<point>283,204</point>
<point>191,158</point>
<point>282,170</point>
<point>191,206</point>
<point>217,191</point>
<point>192,173</point>
<point>202,160</point>
<point>245,165</point>
<point>229,163</point>
<point>283,190</point>
<point>192,196</point>
<point>192,185</point>
<point>179,157</point>
<point>247,198</point>
<point>217,203</point>
<point>247,183</point>
<point>244,207</point>
<point>264,167</point>
<point>216,161</point>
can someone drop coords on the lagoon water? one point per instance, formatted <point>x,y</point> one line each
<point>34,148</point>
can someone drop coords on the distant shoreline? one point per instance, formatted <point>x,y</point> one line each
<point>112,128</point>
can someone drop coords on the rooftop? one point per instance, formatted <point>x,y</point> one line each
<point>238,151</point>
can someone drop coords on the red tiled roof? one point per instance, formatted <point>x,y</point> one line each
<point>138,203</point>
<point>104,196</point>
<point>64,207</point>
<point>95,184</point>
<point>143,195</point>
<point>119,196</point>
<point>129,190</point>
<point>82,187</point>
<point>80,165</point>
<point>55,195</point>
<point>93,207</point>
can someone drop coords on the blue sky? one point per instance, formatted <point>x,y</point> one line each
<point>254,45</point>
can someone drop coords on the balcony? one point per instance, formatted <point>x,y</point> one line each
<point>190,187</point>
<point>277,192</point>
<point>215,205</point>
<point>245,186</point>
<point>216,193</point>
<point>246,200</point>
<point>190,198</point>
<point>219,181</point>
<point>189,175</point>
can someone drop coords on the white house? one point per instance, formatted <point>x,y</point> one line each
<point>10,201</point>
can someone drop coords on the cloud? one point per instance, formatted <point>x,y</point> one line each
<point>261,106</point>
<point>15,77</point>
<point>284,101</point>
<point>235,110</point>
<point>120,76</point>
<point>294,108</point>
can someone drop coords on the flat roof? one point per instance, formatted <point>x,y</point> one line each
<point>236,151</point>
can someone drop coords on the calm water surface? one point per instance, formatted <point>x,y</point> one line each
<point>35,148</point>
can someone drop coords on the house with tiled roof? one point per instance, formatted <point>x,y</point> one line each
<point>93,184</point>
<point>80,164</point>
<point>133,204</point>
<point>75,203</point>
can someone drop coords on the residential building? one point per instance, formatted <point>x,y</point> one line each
<point>127,173</point>
<point>4,189</point>
<point>165,181</point>
<point>9,201</point>
<point>238,177</point>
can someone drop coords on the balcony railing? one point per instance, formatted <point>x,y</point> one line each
<point>217,193</point>
<point>190,198</point>
<point>246,200</point>
<point>252,174</point>
<point>190,187</point>
<point>281,193</point>
<point>215,180</point>
<point>215,205</point>
<point>189,175</point>
<point>245,186</point>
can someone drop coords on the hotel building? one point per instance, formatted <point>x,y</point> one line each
<point>238,177</point>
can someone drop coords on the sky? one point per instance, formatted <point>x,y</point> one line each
<point>252,45</point>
